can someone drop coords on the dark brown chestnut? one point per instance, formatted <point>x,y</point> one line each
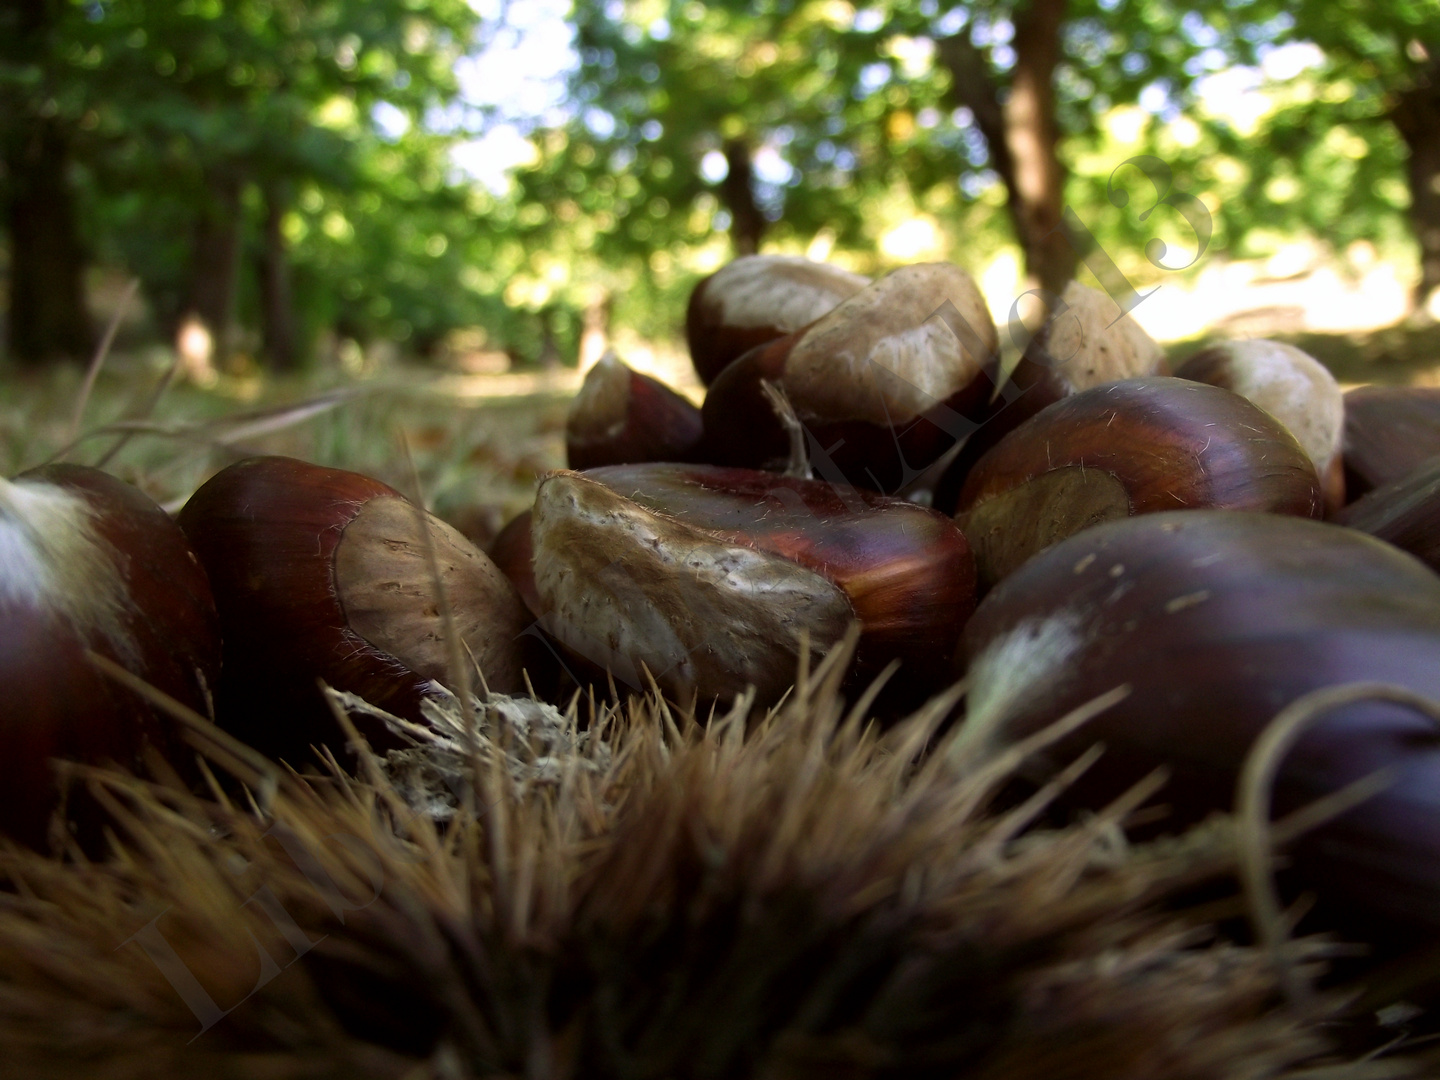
<point>511,552</point>
<point>322,574</point>
<point>884,384</point>
<point>1085,341</point>
<point>1389,433</point>
<point>706,576</point>
<point>1216,621</point>
<point>1137,446</point>
<point>1405,513</point>
<point>755,299</point>
<point>89,563</point>
<point>1290,385</point>
<point>621,416</point>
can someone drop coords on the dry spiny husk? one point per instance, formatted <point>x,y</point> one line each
<point>802,897</point>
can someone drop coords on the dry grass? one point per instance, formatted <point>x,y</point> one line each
<point>477,458</point>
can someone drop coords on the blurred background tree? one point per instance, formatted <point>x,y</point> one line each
<point>273,171</point>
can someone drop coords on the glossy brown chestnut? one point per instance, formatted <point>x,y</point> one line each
<point>1132,447</point>
<point>1291,386</point>
<point>756,299</point>
<point>87,562</point>
<point>1084,342</point>
<point>322,574</point>
<point>1389,433</point>
<point>1405,513</point>
<point>1216,621</point>
<point>512,553</point>
<point>621,416</point>
<point>706,576</point>
<point>884,384</point>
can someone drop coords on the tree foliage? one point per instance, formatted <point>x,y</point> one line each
<point>259,161</point>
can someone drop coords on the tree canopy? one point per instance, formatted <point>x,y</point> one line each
<point>279,168</point>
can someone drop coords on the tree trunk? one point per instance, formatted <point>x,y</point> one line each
<point>48,317</point>
<point>1022,135</point>
<point>1417,117</point>
<point>277,299</point>
<point>595,332</point>
<point>215,259</point>
<point>737,193</point>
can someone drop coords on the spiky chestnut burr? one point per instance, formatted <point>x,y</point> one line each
<point>1216,621</point>
<point>89,563</point>
<point>756,299</point>
<point>621,416</point>
<point>881,383</point>
<point>1290,385</point>
<point>1389,433</point>
<point>1132,447</point>
<point>706,576</point>
<point>322,574</point>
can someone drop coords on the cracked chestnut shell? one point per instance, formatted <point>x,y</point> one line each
<point>706,576</point>
<point>755,299</point>
<point>621,416</point>
<point>1138,446</point>
<point>1217,621</point>
<point>88,562</point>
<point>884,384</point>
<point>322,574</point>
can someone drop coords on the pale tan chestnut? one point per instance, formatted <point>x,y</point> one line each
<point>884,383</point>
<point>631,590</point>
<point>1290,385</point>
<point>758,298</point>
<point>322,574</point>
<point>707,576</point>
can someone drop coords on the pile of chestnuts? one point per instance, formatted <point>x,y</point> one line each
<point>1221,541</point>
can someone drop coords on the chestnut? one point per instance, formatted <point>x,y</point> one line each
<point>1389,432</point>
<point>1405,512</point>
<point>511,552</point>
<point>621,416</point>
<point>1290,385</point>
<point>323,574</point>
<point>706,576</point>
<point>755,299</point>
<point>1084,342</point>
<point>1137,446</point>
<point>884,384</point>
<point>1216,621</point>
<point>90,564</point>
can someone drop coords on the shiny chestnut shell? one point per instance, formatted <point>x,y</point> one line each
<point>112,574</point>
<point>758,298</point>
<point>884,384</point>
<point>1137,446</point>
<point>321,574</point>
<point>1216,621</point>
<point>622,416</point>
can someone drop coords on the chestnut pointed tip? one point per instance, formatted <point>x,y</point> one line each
<point>621,416</point>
